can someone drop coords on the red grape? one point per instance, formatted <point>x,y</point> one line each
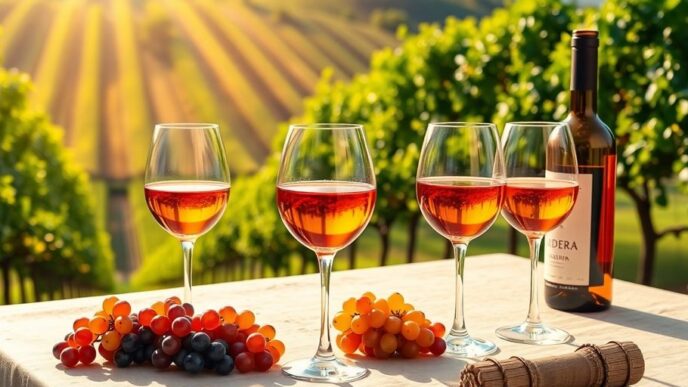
<point>175,311</point>
<point>228,314</point>
<point>188,308</point>
<point>236,348</point>
<point>70,357</point>
<point>83,336</point>
<point>146,315</point>
<point>57,349</point>
<point>244,362</point>
<point>181,326</point>
<point>170,345</point>
<point>275,354</point>
<point>252,329</point>
<point>87,354</point>
<point>70,341</point>
<point>263,361</point>
<point>196,324</point>
<point>107,355</point>
<point>210,319</point>
<point>255,342</point>
<point>174,300</point>
<point>228,332</point>
<point>438,346</point>
<point>160,325</point>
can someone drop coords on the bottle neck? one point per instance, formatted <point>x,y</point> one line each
<point>584,80</point>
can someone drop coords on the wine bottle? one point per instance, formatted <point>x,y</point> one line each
<point>579,253</point>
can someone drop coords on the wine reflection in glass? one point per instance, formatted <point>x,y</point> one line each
<point>325,197</point>
<point>541,189</point>
<point>460,189</point>
<point>187,184</point>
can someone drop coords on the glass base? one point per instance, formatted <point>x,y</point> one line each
<point>467,346</point>
<point>324,371</point>
<point>529,333</point>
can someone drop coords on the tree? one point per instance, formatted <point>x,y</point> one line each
<point>47,226</point>
<point>644,96</point>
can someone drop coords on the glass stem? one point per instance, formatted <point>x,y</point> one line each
<point>187,249</point>
<point>534,307</point>
<point>325,346</point>
<point>459,326</point>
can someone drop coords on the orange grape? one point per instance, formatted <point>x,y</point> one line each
<point>350,343</point>
<point>342,321</point>
<point>173,300</point>
<point>71,342</point>
<point>278,345</point>
<point>393,325</point>
<point>338,340</point>
<point>438,329</point>
<point>101,313</point>
<point>210,319</point>
<point>426,324</point>
<point>252,329</point>
<point>228,314</point>
<point>255,342</point>
<point>381,353</point>
<point>369,295</point>
<point>410,330</point>
<point>349,306</point>
<point>111,340</point>
<point>377,318</point>
<point>123,324</point>
<point>363,305</point>
<point>98,325</point>
<point>80,322</point>
<point>415,315</point>
<point>388,343</point>
<point>109,303</point>
<point>381,304</point>
<point>159,308</point>
<point>425,338</point>
<point>406,308</point>
<point>360,324</point>
<point>83,336</point>
<point>121,308</point>
<point>268,331</point>
<point>395,301</point>
<point>245,319</point>
<point>146,315</point>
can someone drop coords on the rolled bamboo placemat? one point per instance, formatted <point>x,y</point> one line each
<point>613,364</point>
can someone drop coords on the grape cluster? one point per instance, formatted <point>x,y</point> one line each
<point>383,327</point>
<point>169,333</point>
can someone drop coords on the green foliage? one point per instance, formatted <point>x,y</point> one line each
<point>47,225</point>
<point>512,65</point>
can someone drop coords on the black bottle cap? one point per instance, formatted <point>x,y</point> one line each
<point>585,38</point>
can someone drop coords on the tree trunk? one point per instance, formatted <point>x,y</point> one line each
<point>412,233</point>
<point>304,263</point>
<point>352,255</point>
<point>643,208</point>
<point>6,280</point>
<point>22,287</point>
<point>513,241</point>
<point>383,229</point>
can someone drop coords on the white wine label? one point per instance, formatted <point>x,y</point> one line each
<point>567,247</point>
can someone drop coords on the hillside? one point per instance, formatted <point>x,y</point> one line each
<point>107,70</point>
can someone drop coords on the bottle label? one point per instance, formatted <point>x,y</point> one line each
<point>567,247</point>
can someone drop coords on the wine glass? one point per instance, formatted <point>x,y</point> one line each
<point>541,189</point>
<point>460,189</point>
<point>187,184</point>
<point>325,197</point>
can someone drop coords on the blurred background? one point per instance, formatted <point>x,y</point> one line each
<point>84,81</point>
